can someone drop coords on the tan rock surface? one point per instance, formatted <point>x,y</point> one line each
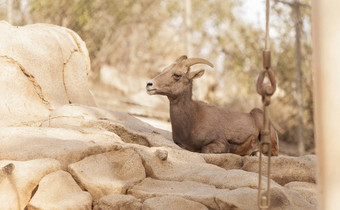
<point>129,128</point>
<point>118,202</point>
<point>307,190</point>
<point>42,67</point>
<point>195,169</point>
<point>195,191</point>
<point>213,198</point>
<point>16,187</point>
<point>171,203</point>
<point>227,161</point>
<point>58,190</point>
<point>109,173</point>
<point>286,169</point>
<point>64,144</point>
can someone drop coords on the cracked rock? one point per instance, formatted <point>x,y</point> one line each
<point>58,190</point>
<point>109,173</point>
<point>16,188</point>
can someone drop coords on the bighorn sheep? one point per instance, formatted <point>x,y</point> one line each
<point>201,127</point>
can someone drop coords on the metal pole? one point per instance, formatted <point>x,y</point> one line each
<point>299,94</point>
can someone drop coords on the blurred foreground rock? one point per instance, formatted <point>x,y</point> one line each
<point>59,151</point>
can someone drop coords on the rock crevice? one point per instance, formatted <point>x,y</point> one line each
<point>30,77</point>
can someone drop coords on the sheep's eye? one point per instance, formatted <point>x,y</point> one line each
<point>177,76</point>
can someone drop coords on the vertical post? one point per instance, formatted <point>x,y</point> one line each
<point>295,5</point>
<point>299,95</point>
<point>10,11</point>
<point>326,69</point>
<point>188,27</point>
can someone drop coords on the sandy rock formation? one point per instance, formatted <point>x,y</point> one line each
<point>286,169</point>
<point>172,203</point>
<point>18,182</point>
<point>118,202</point>
<point>63,144</point>
<point>50,195</point>
<point>117,171</point>
<point>42,67</point>
<point>55,144</point>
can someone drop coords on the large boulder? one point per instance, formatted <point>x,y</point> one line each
<point>42,67</point>
<point>58,190</point>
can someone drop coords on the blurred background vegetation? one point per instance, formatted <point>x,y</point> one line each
<point>130,41</point>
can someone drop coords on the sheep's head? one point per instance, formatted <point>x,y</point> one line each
<point>176,78</point>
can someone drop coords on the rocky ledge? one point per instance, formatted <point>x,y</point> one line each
<point>85,157</point>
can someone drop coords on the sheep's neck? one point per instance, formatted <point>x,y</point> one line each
<point>182,115</point>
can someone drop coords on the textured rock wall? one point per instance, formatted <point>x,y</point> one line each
<point>42,68</point>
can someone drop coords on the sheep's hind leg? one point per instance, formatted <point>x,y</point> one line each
<point>216,146</point>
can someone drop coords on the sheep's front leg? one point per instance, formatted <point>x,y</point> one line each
<point>216,146</point>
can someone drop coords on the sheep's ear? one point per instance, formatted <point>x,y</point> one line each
<point>195,74</point>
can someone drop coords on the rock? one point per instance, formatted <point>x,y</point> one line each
<point>172,203</point>
<point>162,154</point>
<point>286,169</point>
<point>198,192</point>
<point>241,198</point>
<point>213,198</point>
<point>22,103</point>
<point>246,198</point>
<point>118,202</point>
<point>109,173</point>
<point>58,190</point>
<point>191,167</point>
<point>287,199</point>
<point>17,185</point>
<point>226,161</point>
<point>66,145</point>
<point>307,190</point>
<point>43,67</point>
<point>129,128</point>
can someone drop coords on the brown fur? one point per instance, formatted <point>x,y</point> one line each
<point>201,127</point>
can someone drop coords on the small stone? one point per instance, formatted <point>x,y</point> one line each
<point>162,154</point>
